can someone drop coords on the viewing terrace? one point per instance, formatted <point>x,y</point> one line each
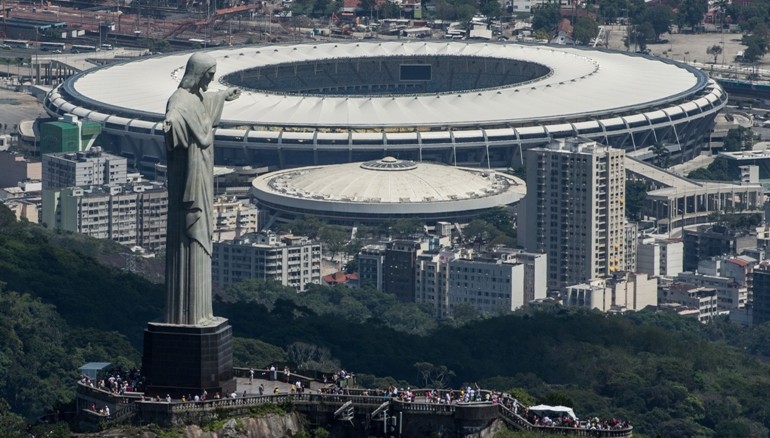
<point>380,411</point>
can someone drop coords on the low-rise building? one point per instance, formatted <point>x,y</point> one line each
<point>623,291</point>
<point>730,293</point>
<point>660,256</point>
<point>501,280</point>
<point>715,240</point>
<point>234,217</point>
<point>293,261</point>
<point>16,167</point>
<point>703,299</point>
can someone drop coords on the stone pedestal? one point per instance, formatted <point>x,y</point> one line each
<point>186,359</point>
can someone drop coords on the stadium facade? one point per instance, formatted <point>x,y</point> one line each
<point>472,104</point>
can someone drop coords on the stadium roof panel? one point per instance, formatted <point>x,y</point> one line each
<point>582,82</point>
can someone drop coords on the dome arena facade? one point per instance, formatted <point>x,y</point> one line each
<point>473,104</point>
<point>386,189</point>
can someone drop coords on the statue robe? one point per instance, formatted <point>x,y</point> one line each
<point>189,137</point>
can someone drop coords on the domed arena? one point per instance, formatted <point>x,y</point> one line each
<point>472,104</point>
<point>386,189</point>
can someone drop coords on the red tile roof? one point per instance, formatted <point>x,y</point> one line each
<point>739,262</point>
<point>339,278</point>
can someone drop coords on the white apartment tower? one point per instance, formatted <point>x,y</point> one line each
<point>574,210</point>
<point>293,261</point>
<point>78,169</point>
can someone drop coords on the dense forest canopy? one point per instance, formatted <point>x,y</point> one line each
<point>666,374</point>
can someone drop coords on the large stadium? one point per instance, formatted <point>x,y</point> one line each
<point>472,104</point>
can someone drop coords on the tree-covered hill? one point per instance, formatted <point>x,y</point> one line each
<point>85,293</point>
<point>668,375</point>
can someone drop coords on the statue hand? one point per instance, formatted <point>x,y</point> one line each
<point>232,94</point>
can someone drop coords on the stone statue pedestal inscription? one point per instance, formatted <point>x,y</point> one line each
<point>187,359</point>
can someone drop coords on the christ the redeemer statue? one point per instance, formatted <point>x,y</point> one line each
<point>191,115</point>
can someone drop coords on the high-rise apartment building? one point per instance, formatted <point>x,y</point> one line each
<point>574,210</point>
<point>293,261</point>
<point>78,169</point>
<point>399,269</point>
<point>371,261</point>
<point>760,289</point>
<point>131,214</point>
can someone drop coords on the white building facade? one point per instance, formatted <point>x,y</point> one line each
<point>625,291</point>
<point>79,169</point>
<point>574,210</point>
<point>491,283</point>
<point>660,257</point>
<point>291,260</point>
<point>131,214</point>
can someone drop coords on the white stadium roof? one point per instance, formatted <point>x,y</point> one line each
<point>583,82</point>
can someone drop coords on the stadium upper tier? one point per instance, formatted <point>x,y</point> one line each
<point>469,103</point>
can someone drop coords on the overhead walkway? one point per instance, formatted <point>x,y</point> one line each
<point>677,201</point>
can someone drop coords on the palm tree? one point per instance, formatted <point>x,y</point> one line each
<point>661,155</point>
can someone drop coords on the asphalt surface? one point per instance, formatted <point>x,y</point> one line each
<point>15,107</point>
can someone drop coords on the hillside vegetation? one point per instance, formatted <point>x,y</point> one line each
<point>667,375</point>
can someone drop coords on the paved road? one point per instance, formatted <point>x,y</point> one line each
<point>15,107</point>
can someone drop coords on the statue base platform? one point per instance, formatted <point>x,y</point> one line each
<point>188,359</point>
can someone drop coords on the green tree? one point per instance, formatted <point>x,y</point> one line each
<point>659,18</point>
<point>585,30</point>
<point>12,425</point>
<point>262,292</point>
<point>738,139</point>
<point>640,35</point>
<point>425,369</point>
<point>37,365</point>
<point>405,228</point>
<point>715,51</point>
<point>479,230</point>
<point>690,13</point>
<point>741,427</point>
<point>636,196</point>
<point>249,352</point>
<point>464,313</point>
<point>389,10</point>
<point>661,155</point>
<point>492,9</point>
<point>557,399</point>
<point>501,219</point>
<point>312,357</point>
<point>612,10</point>
<point>546,16</point>
<point>718,170</point>
<point>308,226</point>
<point>433,376</point>
<point>334,238</point>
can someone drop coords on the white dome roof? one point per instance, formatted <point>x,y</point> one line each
<point>388,186</point>
<point>389,180</point>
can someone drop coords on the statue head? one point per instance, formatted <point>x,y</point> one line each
<point>199,71</point>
